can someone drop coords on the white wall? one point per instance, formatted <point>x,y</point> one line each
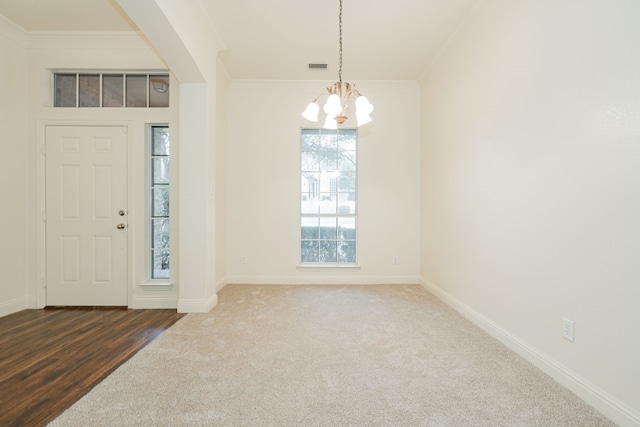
<point>263,184</point>
<point>186,39</point>
<point>95,51</point>
<point>531,187</point>
<point>13,176</point>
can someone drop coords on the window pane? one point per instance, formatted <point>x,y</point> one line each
<point>325,182</point>
<point>310,228</point>
<point>112,90</point>
<point>309,250</point>
<point>159,91</point>
<point>89,90</point>
<point>160,167</point>
<point>136,91</point>
<point>160,229</point>
<point>327,203</point>
<point>160,141</point>
<point>328,140</point>
<point>345,207</point>
<point>347,251</point>
<point>310,161</point>
<point>309,206</point>
<point>328,229</point>
<point>347,161</point>
<point>328,251</point>
<point>65,90</point>
<point>347,228</point>
<point>347,140</point>
<point>160,264</point>
<point>310,140</point>
<point>328,160</point>
<point>160,201</point>
<point>347,181</point>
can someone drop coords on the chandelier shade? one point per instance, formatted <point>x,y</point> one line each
<point>312,111</point>
<point>341,95</point>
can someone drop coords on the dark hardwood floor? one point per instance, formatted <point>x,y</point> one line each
<point>50,358</point>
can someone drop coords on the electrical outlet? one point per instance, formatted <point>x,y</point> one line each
<point>395,260</point>
<point>567,329</point>
<point>243,259</point>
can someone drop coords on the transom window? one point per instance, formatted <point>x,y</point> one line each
<point>87,90</point>
<point>159,190</point>
<point>328,199</point>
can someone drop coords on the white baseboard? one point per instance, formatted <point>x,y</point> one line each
<point>32,303</point>
<point>12,306</point>
<point>323,280</point>
<point>602,401</point>
<point>197,306</point>
<point>149,302</point>
<point>221,284</point>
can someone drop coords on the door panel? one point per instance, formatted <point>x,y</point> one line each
<point>86,187</point>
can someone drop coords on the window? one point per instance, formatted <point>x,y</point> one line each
<point>110,90</point>
<point>159,191</point>
<point>328,200</point>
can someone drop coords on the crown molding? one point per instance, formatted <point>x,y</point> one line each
<point>84,39</point>
<point>13,32</point>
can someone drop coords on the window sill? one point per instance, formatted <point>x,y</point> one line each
<point>328,266</point>
<point>156,286</point>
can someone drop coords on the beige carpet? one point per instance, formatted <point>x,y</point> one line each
<point>328,356</point>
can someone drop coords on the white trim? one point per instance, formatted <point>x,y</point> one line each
<point>41,227</point>
<point>159,285</point>
<point>324,267</point>
<point>602,401</point>
<point>154,302</point>
<point>13,31</point>
<point>320,279</point>
<point>32,302</point>
<point>197,305</point>
<point>124,40</point>
<point>13,306</point>
<point>221,284</point>
<point>317,86</point>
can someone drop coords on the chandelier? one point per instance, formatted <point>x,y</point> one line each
<point>340,95</point>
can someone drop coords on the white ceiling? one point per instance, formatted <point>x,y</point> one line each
<point>276,39</point>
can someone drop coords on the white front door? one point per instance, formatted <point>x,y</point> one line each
<point>86,215</point>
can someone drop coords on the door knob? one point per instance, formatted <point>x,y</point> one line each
<point>121,212</point>
<point>120,226</point>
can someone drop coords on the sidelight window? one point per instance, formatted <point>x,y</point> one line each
<point>159,192</point>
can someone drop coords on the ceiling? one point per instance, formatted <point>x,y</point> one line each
<point>276,39</point>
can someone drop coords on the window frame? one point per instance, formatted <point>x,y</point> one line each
<point>151,249</point>
<point>333,189</point>
<point>159,81</point>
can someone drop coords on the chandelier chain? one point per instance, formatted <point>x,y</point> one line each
<point>340,28</point>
